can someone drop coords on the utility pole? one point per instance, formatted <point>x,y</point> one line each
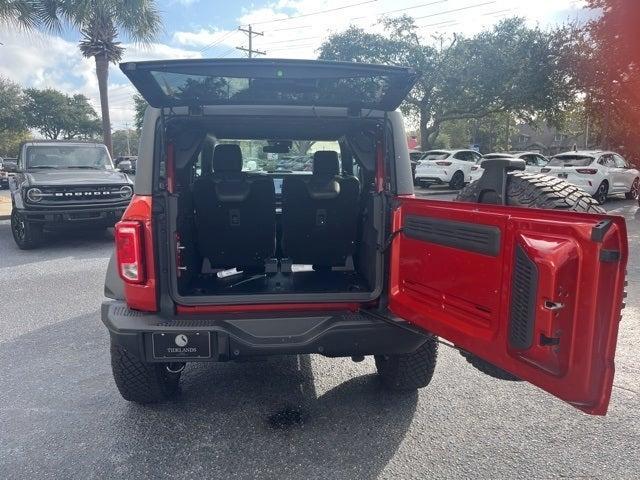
<point>249,31</point>
<point>126,126</point>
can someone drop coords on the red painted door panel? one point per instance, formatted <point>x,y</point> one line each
<point>535,292</point>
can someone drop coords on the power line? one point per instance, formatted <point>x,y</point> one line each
<point>455,10</point>
<point>219,41</point>
<point>315,13</point>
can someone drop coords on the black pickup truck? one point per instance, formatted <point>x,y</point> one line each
<point>60,183</point>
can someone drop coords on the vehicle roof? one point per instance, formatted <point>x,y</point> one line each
<point>493,154</point>
<point>65,142</point>
<point>584,153</point>
<point>444,150</point>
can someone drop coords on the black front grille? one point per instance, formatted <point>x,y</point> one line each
<point>81,194</point>
<point>524,289</point>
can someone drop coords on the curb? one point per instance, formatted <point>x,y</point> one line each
<point>5,217</point>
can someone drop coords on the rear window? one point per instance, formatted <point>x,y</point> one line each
<point>205,89</point>
<point>570,161</point>
<point>436,155</point>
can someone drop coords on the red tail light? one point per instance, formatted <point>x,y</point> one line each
<point>588,171</point>
<point>130,251</point>
<point>443,164</point>
<point>545,170</point>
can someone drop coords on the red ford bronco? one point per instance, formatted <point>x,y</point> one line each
<point>274,214</point>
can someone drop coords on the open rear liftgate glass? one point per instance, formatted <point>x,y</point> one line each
<point>536,292</point>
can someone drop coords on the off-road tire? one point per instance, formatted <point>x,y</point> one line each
<point>633,194</point>
<point>139,381</point>
<point>409,371</point>
<point>532,190</point>
<point>537,190</point>
<point>457,181</point>
<point>27,235</point>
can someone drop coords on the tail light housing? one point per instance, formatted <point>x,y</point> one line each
<point>588,171</point>
<point>545,170</point>
<point>474,168</point>
<point>129,236</point>
<point>135,255</point>
<point>443,164</point>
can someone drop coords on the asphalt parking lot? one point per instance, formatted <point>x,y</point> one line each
<point>295,417</point>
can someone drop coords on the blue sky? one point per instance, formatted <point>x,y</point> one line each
<point>292,29</point>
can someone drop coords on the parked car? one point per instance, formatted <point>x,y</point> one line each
<point>226,266</point>
<point>534,162</point>
<point>4,175</point>
<point>126,164</point>
<point>414,158</point>
<point>453,167</point>
<point>598,173</point>
<point>62,184</point>
<point>7,170</point>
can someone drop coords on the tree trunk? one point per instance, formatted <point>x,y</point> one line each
<point>102,71</point>
<point>424,131</point>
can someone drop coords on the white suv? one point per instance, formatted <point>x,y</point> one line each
<point>446,166</point>
<point>534,162</point>
<point>598,173</point>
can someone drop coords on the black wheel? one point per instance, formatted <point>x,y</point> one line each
<point>634,193</point>
<point>488,368</point>
<point>409,371</point>
<point>537,191</point>
<point>601,193</point>
<point>457,181</point>
<point>142,382</point>
<point>27,235</point>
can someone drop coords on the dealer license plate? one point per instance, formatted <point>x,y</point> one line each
<point>181,345</point>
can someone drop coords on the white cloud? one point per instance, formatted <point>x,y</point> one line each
<point>46,61</point>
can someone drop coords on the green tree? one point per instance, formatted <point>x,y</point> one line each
<point>11,107</point>
<point>140,104</point>
<point>82,120</point>
<point>606,68</point>
<point>57,115</point>
<point>100,23</point>
<point>509,68</point>
<point>46,111</point>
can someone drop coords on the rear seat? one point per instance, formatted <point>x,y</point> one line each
<point>235,213</point>
<point>319,214</point>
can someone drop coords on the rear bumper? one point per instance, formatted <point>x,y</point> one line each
<point>432,175</point>
<point>589,185</point>
<point>99,215</point>
<point>234,336</point>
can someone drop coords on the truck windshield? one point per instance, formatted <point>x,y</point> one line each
<point>68,156</point>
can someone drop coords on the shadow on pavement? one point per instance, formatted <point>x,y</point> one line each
<point>62,416</point>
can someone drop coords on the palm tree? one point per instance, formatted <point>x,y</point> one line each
<point>100,22</point>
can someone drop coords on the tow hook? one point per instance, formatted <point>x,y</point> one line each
<point>175,367</point>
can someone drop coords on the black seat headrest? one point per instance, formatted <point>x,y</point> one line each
<point>325,162</point>
<point>227,158</point>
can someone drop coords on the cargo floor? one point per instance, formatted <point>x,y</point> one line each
<point>278,283</point>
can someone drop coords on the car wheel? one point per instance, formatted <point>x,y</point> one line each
<point>27,235</point>
<point>535,191</point>
<point>142,382</point>
<point>457,181</point>
<point>601,193</point>
<point>409,371</point>
<point>634,193</point>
